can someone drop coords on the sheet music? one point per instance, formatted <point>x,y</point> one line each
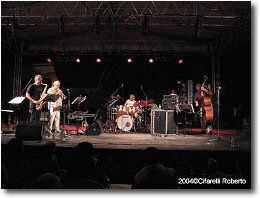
<point>17,100</point>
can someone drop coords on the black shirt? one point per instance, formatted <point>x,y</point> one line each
<point>35,92</point>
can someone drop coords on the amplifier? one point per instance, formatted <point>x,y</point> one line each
<point>186,107</point>
<point>163,122</point>
<point>169,102</point>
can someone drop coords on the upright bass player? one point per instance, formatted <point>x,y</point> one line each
<point>203,102</point>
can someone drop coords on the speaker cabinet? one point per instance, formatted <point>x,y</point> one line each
<point>163,122</point>
<point>95,129</point>
<point>29,130</point>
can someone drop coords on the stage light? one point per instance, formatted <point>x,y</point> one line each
<point>129,60</point>
<point>150,60</point>
<point>180,61</point>
<point>98,60</point>
<point>78,60</point>
<point>48,60</point>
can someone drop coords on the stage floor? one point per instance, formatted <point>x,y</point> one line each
<point>139,141</point>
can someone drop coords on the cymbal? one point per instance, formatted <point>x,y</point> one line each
<point>151,101</point>
<point>117,97</point>
<point>137,103</point>
<point>140,103</point>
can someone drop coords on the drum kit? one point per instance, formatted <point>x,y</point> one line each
<point>127,118</point>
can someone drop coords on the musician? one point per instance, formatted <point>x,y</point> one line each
<point>55,107</point>
<point>175,96</point>
<point>173,93</point>
<point>34,93</point>
<point>206,91</point>
<point>130,102</point>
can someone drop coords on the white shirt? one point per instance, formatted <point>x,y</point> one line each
<point>129,103</point>
<point>58,103</point>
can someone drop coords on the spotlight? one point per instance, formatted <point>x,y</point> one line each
<point>48,60</point>
<point>98,60</point>
<point>129,60</point>
<point>150,60</point>
<point>78,60</point>
<point>180,61</point>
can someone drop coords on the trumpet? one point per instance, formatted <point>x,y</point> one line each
<point>62,95</point>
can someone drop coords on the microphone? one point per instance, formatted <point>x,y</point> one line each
<point>141,87</point>
<point>122,85</point>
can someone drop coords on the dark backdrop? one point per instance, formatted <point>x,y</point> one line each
<point>99,80</point>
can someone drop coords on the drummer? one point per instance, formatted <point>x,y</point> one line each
<point>130,102</point>
<point>175,95</point>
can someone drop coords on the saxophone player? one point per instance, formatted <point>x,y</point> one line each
<point>34,93</point>
<point>55,107</point>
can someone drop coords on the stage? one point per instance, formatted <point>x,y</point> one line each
<point>194,141</point>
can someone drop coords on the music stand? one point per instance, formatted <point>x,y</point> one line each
<point>17,100</point>
<point>50,98</point>
<point>78,101</point>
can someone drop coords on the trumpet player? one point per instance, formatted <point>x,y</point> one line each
<point>55,107</point>
<point>33,94</point>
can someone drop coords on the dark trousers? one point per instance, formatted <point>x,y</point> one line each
<point>35,115</point>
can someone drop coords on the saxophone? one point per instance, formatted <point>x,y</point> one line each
<point>39,106</point>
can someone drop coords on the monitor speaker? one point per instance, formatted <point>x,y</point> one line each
<point>95,129</point>
<point>29,130</point>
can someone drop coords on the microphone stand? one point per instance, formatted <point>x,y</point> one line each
<point>121,86</point>
<point>68,129</point>
<point>16,117</point>
<point>218,110</point>
<point>26,86</point>
<point>145,109</point>
<point>218,115</point>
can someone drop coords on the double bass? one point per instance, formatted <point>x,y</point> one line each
<point>206,104</point>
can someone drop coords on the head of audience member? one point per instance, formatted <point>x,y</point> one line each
<point>15,148</point>
<point>48,150</point>
<point>47,181</point>
<point>151,155</point>
<point>4,177</point>
<point>84,153</point>
<point>212,166</point>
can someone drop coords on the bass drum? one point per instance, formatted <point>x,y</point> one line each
<point>125,122</point>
